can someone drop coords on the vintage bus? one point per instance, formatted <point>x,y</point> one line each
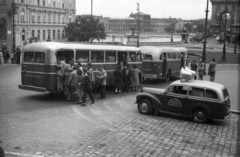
<point>39,61</point>
<point>162,62</point>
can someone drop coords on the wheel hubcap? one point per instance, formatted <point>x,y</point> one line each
<point>200,115</point>
<point>144,107</point>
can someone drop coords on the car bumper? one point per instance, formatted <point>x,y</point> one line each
<point>32,88</point>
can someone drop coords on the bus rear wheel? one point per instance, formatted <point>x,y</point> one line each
<point>169,75</point>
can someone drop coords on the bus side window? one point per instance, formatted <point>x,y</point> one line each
<point>28,57</point>
<point>178,55</point>
<point>97,56</point>
<point>169,56</point>
<point>174,56</point>
<point>110,56</point>
<point>39,57</point>
<point>139,59</point>
<point>132,57</point>
<point>82,56</point>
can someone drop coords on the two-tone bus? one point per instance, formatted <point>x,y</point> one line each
<point>162,62</point>
<point>38,72</point>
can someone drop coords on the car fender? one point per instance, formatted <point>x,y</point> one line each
<point>201,106</point>
<point>155,101</point>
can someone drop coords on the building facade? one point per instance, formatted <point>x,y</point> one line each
<point>120,24</point>
<point>42,20</point>
<point>6,24</point>
<point>159,25</point>
<point>144,21</point>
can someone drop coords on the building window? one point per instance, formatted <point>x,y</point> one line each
<point>44,35</point>
<point>54,18</point>
<point>2,1</point>
<point>3,29</point>
<point>44,17</point>
<point>22,15</point>
<point>70,18</point>
<point>54,3</point>
<point>63,34</point>
<point>59,18</point>
<point>33,33</point>
<point>49,18</point>
<point>43,2</point>
<point>38,18</point>
<point>32,17</point>
<point>38,2</point>
<point>58,34</point>
<point>62,5</point>
<point>38,35</point>
<point>49,34</point>
<point>22,1</point>
<point>23,35</point>
<point>63,19</point>
<point>53,34</point>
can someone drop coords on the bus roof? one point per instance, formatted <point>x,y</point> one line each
<point>41,46</point>
<point>156,51</point>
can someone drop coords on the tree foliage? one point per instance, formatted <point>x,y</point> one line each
<point>80,30</point>
<point>171,28</point>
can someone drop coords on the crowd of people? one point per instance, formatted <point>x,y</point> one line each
<point>199,69</point>
<point>76,82</point>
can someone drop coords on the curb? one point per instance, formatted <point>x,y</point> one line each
<point>235,112</point>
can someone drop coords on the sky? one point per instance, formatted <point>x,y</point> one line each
<point>184,9</point>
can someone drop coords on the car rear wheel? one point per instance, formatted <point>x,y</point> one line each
<point>200,116</point>
<point>145,106</point>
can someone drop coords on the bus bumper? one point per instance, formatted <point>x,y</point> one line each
<point>32,88</point>
<point>152,76</point>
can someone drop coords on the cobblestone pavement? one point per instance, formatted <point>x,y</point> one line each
<point>110,127</point>
<point>157,135</point>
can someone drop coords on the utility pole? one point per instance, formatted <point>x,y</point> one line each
<point>205,39</point>
<point>138,8</point>
<point>13,24</point>
<point>225,33</point>
<point>91,19</point>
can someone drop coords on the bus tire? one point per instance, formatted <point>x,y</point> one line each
<point>169,75</point>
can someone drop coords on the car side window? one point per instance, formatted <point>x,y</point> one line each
<point>198,92</point>
<point>178,90</point>
<point>211,94</point>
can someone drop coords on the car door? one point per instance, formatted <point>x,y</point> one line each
<point>176,98</point>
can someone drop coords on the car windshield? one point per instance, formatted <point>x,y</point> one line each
<point>225,93</point>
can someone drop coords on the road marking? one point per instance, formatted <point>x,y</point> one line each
<point>21,154</point>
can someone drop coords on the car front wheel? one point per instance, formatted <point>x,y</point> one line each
<point>200,116</point>
<point>145,106</point>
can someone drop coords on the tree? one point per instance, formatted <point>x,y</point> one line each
<point>171,28</point>
<point>80,30</point>
<point>188,26</point>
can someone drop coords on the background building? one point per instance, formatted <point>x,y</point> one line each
<point>120,24</point>
<point>159,25</point>
<point>42,20</point>
<point>5,24</point>
<point>144,21</point>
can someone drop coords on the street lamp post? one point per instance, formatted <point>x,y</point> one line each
<point>138,8</point>
<point>91,19</point>
<point>13,24</point>
<point>171,36</point>
<point>225,29</point>
<point>205,39</point>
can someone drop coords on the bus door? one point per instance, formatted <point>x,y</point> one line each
<point>28,68</point>
<point>164,65</point>
<point>122,58</point>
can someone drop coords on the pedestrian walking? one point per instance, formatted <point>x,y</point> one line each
<point>90,73</point>
<point>59,76</point>
<point>66,86</point>
<point>135,77</point>
<point>79,87</point>
<point>73,83</point>
<point>212,70</point>
<point>6,56</point>
<point>126,77</point>
<point>1,56</point>
<point>194,68</point>
<point>102,76</point>
<point>87,87</point>
<point>200,72</point>
<point>118,79</point>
